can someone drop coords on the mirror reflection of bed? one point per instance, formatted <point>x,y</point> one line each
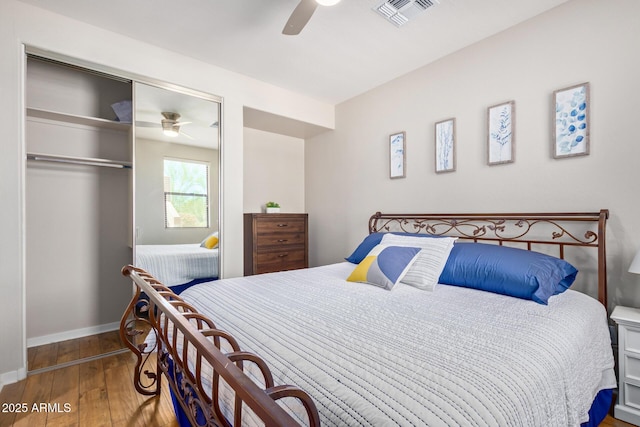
<point>176,185</point>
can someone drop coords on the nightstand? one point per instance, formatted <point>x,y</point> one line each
<point>628,406</point>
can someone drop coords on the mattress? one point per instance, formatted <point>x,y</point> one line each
<point>454,356</point>
<point>178,264</point>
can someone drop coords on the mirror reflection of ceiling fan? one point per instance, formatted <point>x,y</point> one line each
<point>302,13</point>
<point>170,125</point>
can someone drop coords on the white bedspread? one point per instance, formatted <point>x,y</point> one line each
<point>177,264</point>
<point>454,357</point>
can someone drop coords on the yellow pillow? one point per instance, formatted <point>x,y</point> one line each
<point>211,242</point>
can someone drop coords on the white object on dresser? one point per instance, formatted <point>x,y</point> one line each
<point>628,406</point>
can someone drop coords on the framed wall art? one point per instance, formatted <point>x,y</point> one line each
<point>445,145</point>
<point>571,121</point>
<point>397,155</point>
<point>501,133</point>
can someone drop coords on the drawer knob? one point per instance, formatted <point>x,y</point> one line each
<point>282,240</point>
<point>282,255</point>
<point>283,225</point>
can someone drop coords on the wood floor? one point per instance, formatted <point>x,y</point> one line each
<point>94,393</point>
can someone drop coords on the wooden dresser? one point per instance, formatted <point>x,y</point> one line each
<point>275,242</point>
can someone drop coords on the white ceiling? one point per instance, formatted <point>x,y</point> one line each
<point>344,50</point>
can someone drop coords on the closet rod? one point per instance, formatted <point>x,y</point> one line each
<point>79,160</point>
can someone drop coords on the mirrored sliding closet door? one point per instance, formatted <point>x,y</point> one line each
<point>176,176</point>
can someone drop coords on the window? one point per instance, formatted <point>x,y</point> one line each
<point>186,194</point>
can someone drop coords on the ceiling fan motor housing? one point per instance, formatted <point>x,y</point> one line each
<point>170,122</point>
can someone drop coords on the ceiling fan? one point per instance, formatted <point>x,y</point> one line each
<point>170,124</point>
<point>302,13</point>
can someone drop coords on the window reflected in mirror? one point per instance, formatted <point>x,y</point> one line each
<point>186,194</point>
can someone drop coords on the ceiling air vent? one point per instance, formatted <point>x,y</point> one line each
<point>399,12</point>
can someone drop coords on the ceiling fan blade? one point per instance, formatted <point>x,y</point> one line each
<point>148,124</point>
<point>299,18</point>
<point>186,134</point>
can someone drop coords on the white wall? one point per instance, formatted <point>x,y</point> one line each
<point>583,40</point>
<point>23,24</point>
<point>273,171</point>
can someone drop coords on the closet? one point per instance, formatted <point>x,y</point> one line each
<point>78,200</point>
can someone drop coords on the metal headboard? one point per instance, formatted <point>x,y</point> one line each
<point>561,229</point>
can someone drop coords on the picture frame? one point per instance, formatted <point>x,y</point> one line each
<point>397,155</point>
<point>501,133</point>
<point>445,138</point>
<point>571,121</point>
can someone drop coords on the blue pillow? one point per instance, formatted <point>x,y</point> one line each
<point>384,265</point>
<point>508,271</point>
<point>365,247</point>
<point>371,241</point>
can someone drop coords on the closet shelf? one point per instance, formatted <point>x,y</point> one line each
<point>77,119</point>
<point>90,161</point>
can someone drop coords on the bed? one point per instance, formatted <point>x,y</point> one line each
<point>178,266</point>
<point>365,355</point>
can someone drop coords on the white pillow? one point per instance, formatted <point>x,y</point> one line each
<point>425,271</point>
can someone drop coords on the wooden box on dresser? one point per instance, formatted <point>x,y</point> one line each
<point>628,406</point>
<point>275,242</point>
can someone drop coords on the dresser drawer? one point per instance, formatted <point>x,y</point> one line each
<point>281,260</point>
<point>280,240</point>
<point>631,395</point>
<point>269,226</point>
<point>632,368</point>
<point>632,340</point>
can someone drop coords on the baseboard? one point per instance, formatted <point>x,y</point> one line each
<point>70,335</point>
<point>12,377</point>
